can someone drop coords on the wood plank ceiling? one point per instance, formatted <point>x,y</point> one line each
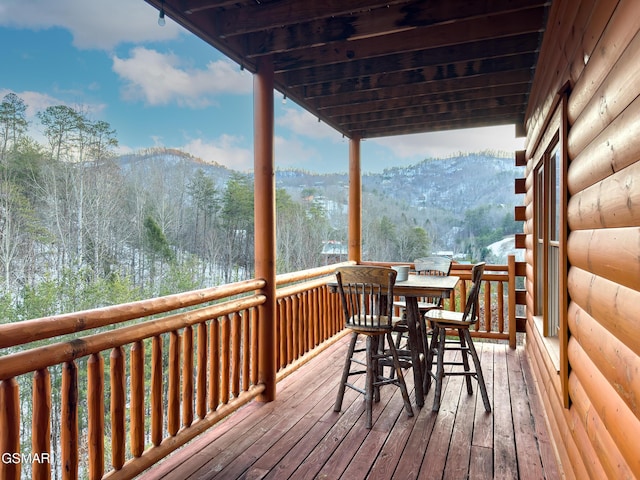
<point>372,69</point>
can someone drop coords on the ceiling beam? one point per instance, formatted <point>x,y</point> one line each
<point>436,74</point>
<point>498,92</point>
<point>485,49</point>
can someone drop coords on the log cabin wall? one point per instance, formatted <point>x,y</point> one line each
<point>588,82</point>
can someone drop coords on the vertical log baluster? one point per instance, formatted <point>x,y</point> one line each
<point>291,332</point>
<point>41,425</point>
<point>487,306</point>
<point>307,313</point>
<point>254,346</point>
<point>136,427</point>
<point>95,404</point>
<point>69,421</point>
<point>307,324</point>
<point>297,331</point>
<point>313,314</point>
<point>235,352</point>
<point>328,312</point>
<point>326,304</point>
<point>511,300</point>
<point>214,365</point>
<point>187,376</point>
<point>173,414</point>
<point>246,353</point>
<point>501,307</point>
<point>282,333</point>
<point>322,318</point>
<point>225,360</point>
<point>201,379</point>
<point>324,313</point>
<point>304,321</point>
<point>9,427</point>
<point>118,402</point>
<point>157,410</point>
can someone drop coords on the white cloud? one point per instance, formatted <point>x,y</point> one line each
<point>443,144</point>
<point>237,153</point>
<point>303,123</point>
<point>161,79</point>
<point>292,153</point>
<point>226,150</point>
<point>93,23</point>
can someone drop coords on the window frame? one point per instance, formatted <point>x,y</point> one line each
<point>550,198</point>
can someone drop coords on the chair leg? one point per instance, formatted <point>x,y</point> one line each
<point>345,373</point>
<point>433,345</point>
<point>401,382</point>
<point>371,372</point>
<point>442,333</point>
<point>476,363</point>
<point>377,347</point>
<point>464,350</point>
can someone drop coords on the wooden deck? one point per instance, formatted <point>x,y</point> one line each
<point>298,436</point>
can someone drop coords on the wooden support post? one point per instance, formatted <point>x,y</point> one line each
<point>512,300</point>
<point>265,222</point>
<point>355,201</point>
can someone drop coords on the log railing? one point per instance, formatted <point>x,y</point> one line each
<point>308,316</point>
<point>121,387</point>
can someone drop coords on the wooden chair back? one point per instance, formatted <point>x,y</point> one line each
<point>366,293</point>
<point>433,265</point>
<point>471,308</point>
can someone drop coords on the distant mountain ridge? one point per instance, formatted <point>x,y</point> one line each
<point>436,193</point>
<point>452,183</point>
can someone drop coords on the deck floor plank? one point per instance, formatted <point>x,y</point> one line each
<point>529,461</point>
<point>457,462</point>
<point>299,436</point>
<point>505,463</point>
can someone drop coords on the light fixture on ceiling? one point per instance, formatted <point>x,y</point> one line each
<point>161,20</point>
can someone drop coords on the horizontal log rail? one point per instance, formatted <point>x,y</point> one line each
<point>13,334</point>
<point>121,387</point>
<point>498,299</point>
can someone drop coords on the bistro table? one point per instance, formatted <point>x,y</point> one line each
<point>415,287</point>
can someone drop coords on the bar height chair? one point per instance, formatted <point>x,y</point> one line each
<point>366,294</point>
<point>440,321</point>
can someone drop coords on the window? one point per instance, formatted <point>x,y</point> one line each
<point>550,241</point>
<point>547,226</point>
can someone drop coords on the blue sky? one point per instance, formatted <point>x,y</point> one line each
<point>161,86</point>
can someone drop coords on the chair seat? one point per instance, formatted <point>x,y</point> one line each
<point>373,323</point>
<point>447,318</point>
